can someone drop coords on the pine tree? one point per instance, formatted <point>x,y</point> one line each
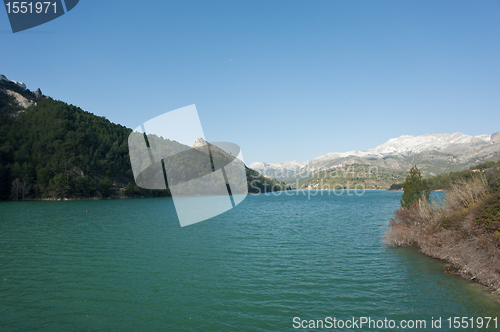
<point>415,188</point>
<point>105,186</point>
<point>129,190</point>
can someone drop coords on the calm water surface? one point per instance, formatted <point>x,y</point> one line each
<point>127,265</point>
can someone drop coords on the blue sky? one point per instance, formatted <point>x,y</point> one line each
<point>285,80</point>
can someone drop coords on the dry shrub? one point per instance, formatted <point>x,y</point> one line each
<point>462,194</point>
<point>427,217</point>
<point>398,235</point>
<point>473,258</point>
<point>471,190</point>
<point>403,227</point>
<point>445,229</point>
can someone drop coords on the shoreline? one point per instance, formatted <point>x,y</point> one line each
<point>95,198</point>
<point>455,270</point>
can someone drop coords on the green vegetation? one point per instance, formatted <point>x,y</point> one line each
<point>352,176</point>
<point>415,189</point>
<point>8,105</point>
<point>488,215</point>
<point>51,145</point>
<point>55,150</point>
<point>396,186</point>
<point>463,228</point>
<point>445,180</point>
<point>258,183</point>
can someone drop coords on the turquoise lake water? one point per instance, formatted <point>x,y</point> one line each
<point>127,265</point>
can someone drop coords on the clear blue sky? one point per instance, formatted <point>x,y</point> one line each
<point>284,80</point>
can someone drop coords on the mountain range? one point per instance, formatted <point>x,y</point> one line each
<point>432,153</point>
<point>51,149</point>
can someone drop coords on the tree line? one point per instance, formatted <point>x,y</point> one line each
<point>446,180</point>
<point>56,150</point>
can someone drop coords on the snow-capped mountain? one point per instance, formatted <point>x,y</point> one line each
<point>279,170</point>
<point>288,165</point>
<point>411,145</point>
<point>433,153</point>
<point>408,145</point>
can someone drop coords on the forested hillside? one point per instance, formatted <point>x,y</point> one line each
<point>360,176</point>
<point>446,180</point>
<point>56,150</point>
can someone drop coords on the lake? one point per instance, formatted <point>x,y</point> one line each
<point>127,265</point>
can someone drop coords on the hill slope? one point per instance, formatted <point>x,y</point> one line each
<point>49,149</point>
<point>463,228</point>
<point>58,150</point>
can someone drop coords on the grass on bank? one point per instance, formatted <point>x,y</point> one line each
<point>463,228</point>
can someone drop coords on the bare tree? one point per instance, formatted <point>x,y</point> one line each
<point>16,188</point>
<point>25,187</point>
<point>20,188</point>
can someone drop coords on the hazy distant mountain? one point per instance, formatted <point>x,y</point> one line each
<point>436,153</point>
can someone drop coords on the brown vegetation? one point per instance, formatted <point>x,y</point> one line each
<point>463,229</point>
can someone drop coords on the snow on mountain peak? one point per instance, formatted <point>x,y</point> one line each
<point>403,146</point>
<point>407,144</point>
<point>287,165</point>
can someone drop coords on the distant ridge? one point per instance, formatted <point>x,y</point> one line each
<point>433,153</point>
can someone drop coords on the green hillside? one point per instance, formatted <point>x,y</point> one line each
<point>446,180</point>
<point>353,176</point>
<point>462,228</point>
<point>56,150</point>
<point>59,150</point>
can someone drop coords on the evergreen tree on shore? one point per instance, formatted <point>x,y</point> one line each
<point>415,188</point>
